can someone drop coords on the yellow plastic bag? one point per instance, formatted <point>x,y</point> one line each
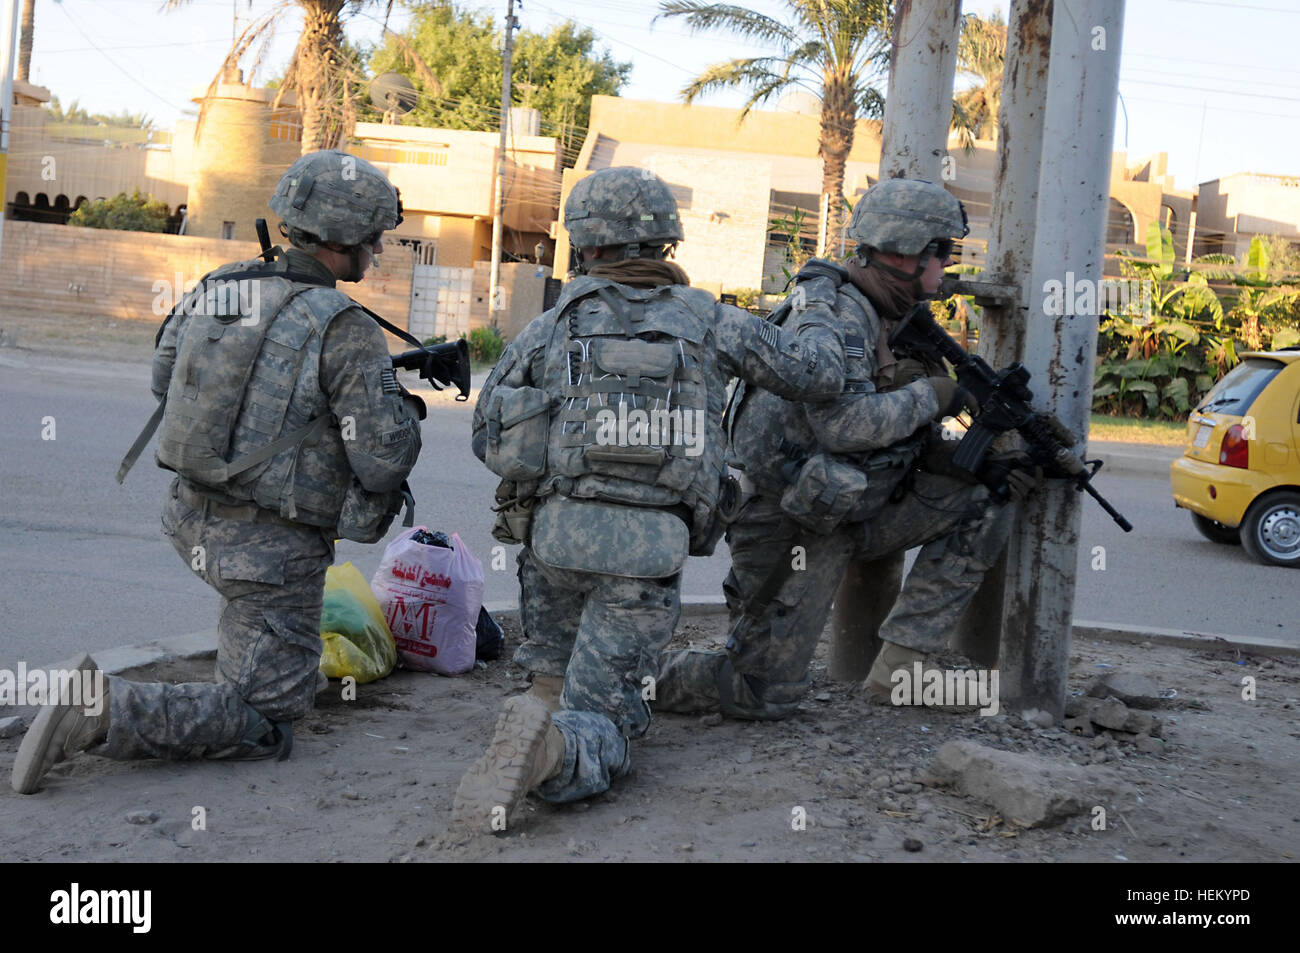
<point>357,639</point>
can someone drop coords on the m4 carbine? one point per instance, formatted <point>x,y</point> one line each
<point>1003,398</point>
<point>440,364</point>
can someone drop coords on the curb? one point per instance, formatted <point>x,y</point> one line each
<point>1134,459</point>
<point>204,643</point>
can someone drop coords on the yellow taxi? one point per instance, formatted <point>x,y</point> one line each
<point>1239,475</point>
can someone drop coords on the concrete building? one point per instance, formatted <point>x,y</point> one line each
<point>1234,209</point>
<point>736,178</point>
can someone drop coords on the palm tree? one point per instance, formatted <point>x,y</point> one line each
<point>25,40</point>
<point>325,78</point>
<point>837,49</point>
<point>981,52</point>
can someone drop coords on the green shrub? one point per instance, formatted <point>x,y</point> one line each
<point>131,213</point>
<point>485,345</point>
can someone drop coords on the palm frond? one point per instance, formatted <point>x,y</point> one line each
<point>748,24</point>
<point>751,71</point>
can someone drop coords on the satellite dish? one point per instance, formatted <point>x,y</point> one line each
<point>394,94</point>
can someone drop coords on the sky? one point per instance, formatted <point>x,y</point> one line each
<point>1213,83</point>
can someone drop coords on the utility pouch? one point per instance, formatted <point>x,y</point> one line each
<point>591,536</point>
<point>707,532</point>
<point>514,514</point>
<point>366,516</point>
<point>518,427</point>
<point>823,493</point>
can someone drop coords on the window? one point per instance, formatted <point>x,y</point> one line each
<point>286,125</point>
<point>228,230</point>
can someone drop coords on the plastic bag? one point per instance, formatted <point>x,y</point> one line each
<point>431,597</point>
<point>489,636</point>
<point>356,636</point>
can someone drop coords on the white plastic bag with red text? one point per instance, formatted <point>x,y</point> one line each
<point>431,597</point>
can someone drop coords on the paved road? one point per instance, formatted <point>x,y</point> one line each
<point>83,564</point>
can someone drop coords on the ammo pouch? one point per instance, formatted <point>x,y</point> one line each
<point>591,536</point>
<point>705,533</point>
<point>514,512</point>
<point>518,428</point>
<point>366,516</point>
<point>823,493</point>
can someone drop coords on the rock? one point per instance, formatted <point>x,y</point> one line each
<point>880,782</point>
<point>822,697</point>
<point>1135,691</point>
<point>1113,714</point>
<point>1148,745</point>
<point>912,845</point>
<point>141,817</point>
<point>1081,726</point>
<point>839,747</point>
<point>1027,790</point>
<point>830,821</point>
<point>350,795</point>
<point>1039,718</point>
<point>744,757</point>
<point>711,721</point>
<point>11,727</point>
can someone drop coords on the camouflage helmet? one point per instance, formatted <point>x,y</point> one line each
<point>902,216</point>
<point>622,206</point>
<point>336,198</point>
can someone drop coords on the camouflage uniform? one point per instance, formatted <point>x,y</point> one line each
<point>913,497</point>
<point>264,539</point>
<point>603,631</point>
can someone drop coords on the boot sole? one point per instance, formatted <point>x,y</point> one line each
<point>500,778</point>
<point>51,727</point>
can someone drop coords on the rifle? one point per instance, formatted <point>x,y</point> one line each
<point>1004,398</point>
<point>441,364</point>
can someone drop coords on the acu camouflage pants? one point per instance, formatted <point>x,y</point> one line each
<point>271,579</point>
<point>960,532</point>
<point>603,634</point>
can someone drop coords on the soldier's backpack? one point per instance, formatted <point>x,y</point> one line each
<point>634,409</point>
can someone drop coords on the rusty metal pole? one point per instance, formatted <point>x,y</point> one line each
<point>918,107</point>
<point>1060,350</point>
<point>1010,254</point>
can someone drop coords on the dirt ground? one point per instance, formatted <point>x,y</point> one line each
<point>372,780</point>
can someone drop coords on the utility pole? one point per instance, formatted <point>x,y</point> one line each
<point>913,145</point>
<point>495,304</point>
<point>8,40</point>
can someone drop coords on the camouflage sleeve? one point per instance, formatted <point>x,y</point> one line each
<point>357,377</point>
<point>164,356</point>
<point>805,363</point>
<point>520,365</point>
<point>861,418</point>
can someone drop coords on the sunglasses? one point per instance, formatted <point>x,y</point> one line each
<point>940,248</point>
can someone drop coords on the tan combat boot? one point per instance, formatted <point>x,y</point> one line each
<point>890,658</point>
<point>62,729</point>
<point>526,750</point>
<point>548,689</point>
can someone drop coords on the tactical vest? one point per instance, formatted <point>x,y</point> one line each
<point>638,420</point>
<point>264,345</point>
<point>769,437</point>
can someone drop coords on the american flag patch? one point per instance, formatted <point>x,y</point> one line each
<point>854,345</point>
<point>769,333</point>
<point>388,380</point>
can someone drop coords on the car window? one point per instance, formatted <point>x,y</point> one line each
<point>1239,388</point>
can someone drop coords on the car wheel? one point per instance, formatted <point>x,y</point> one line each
<point>1271,530</point>
<point>1215,532</point>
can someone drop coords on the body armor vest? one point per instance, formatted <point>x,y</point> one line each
<point>246,375</point>
<point>639,414</point>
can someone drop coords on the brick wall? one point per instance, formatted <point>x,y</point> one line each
<point>69,271</point>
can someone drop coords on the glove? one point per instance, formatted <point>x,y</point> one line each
<point>908,370</point>
<point>952,397</point>
<point>1021,483</point>
<point>1015,471</point>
